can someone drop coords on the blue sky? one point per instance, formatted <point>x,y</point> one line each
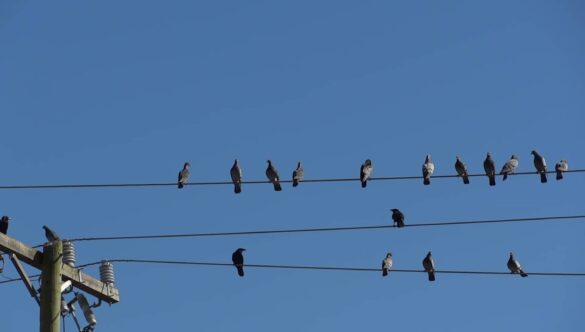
<point>96,92</point>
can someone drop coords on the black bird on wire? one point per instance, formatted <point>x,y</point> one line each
<point>462,170</point>
<point>50,234</point>
<point>272,175</point>
<point>490,169</point>
<point>397,218</point>
<point>238,260</point>
<point>429,266</point>
<point>515,266</point>
<point>236,174</point>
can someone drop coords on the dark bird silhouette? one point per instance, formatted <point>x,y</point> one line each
<point>236,174</point>
<point>490,169</point>
<point>462,170</point>
<point>365,172</point>
<point>238,260</point>
<point>386,264</point>
<point>515,266</point>
<point>509,167</point>
<point>428,168</point>
<point>4,221</point>
<point>272,175</point>
<point>298,174</point>
<point>397,218</point>
<point>429,266</point>
<point>50,234</point>
<point>560,167</point>
<point>540,165</point>
<point>183,175</point>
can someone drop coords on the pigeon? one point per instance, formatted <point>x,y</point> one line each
<point>429,266</point>
<point>386,264</point>
<point>272,175</point>
<point>509,167</point>
<point>560,167</point>
<point>366,172</point>
<point>236,174</point>
<point>298,174</point>
<point>462,170</point>
<point>183,175</point>
<point>515,267</point>
<point>238,260</point>
<point>490,169</point>
<point>428,168</point>
<point>4,224</point>
<point>540,165</point>
<point>50,234</point>
<point>397,218</point>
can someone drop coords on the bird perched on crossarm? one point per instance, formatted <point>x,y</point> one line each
<point>4,223</point>
<point>50,234</point>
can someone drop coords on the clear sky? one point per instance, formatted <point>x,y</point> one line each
<point>127,91</point>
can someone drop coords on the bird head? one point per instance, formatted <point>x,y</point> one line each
<point>299,164</point>
<point>534,153</point>
<point>514,157</point>
<point>394,210</point>
<point>428,158</point>
<point>241,249</point>
<point>389,254</point>
<point>368,162</point>
<point>489,154</point>
<point>269,162</point>
<point>186,165</point>
<point>5,218</point>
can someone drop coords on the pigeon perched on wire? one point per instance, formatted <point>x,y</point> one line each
<point>4,223</point>
<point>298,174</point>
<point>272,175</point>
<point>515,266</point>
<point>560,167</point>
<point>540,165</point>
<point>428,168</point>
<point>365,172</point>
<point>490,169</point>
<point>236,174</point>
<point>238,260</point>
<point>50,234</point>
<point>429,266</point>
<point>509,167</point>
<point>397,218</point>
<point>386,264</point>
<point>183,175</point>
<point>462,170</point>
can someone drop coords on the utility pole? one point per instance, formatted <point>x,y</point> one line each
<point>53,273</point>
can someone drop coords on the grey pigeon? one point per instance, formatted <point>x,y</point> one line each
<point>298,174</point>
<point>515,266</point>
<point>50,234</point>
<point>366,172</point>
<point>236,174</point>
<point>540,165</point>
<point>490,169</point>
<point>429,266</point>
<point>509,167</point>
<point>272,175</point>
<point>397,218</point>
<point>183,175</point>
<point>560,167</point>
<point>428,168</point>
<point>386,264</point>
<point>238,260</point>
<point>4,221</point>
<point>462,170</point>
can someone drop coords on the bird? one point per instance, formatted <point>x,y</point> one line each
<point>183,175</point>
<point>366,172</point>
<point>238,260</point>
<point>386,264</point>
<point>429,266</point>
<point>540,165</point>
<point>515,267</point>
<point>298,174</point>
<point>560,167</point>
<point>490,169</point>
<point>428,168</point>
<point>272,175</point>
<point>397,218</point>
<point>462,170</point>
<point>4,221</point>
<point>50,234</point>
<point>509,167</point>
<point>236,174</point>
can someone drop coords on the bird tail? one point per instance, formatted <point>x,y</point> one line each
<point>466,179</point>
<point>543,177</point>
<point>505,177</point>
<point>277,186</point>
<point>492,180</point>
<point>559,175</point>
<point>240,270</point>
<point>237,188</point>
<point>384,272</point>
<point>364,184</point>
<point>295,182</point>
<point>522,273</point>
<point>427,181</point>
<point>431,276</point>
<point>180,185</point>
<point>400,224</point>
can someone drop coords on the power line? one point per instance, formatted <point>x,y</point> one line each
<point>328,229</point>
<point>216,183</point>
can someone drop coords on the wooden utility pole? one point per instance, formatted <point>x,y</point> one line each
<point>51,287</point>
